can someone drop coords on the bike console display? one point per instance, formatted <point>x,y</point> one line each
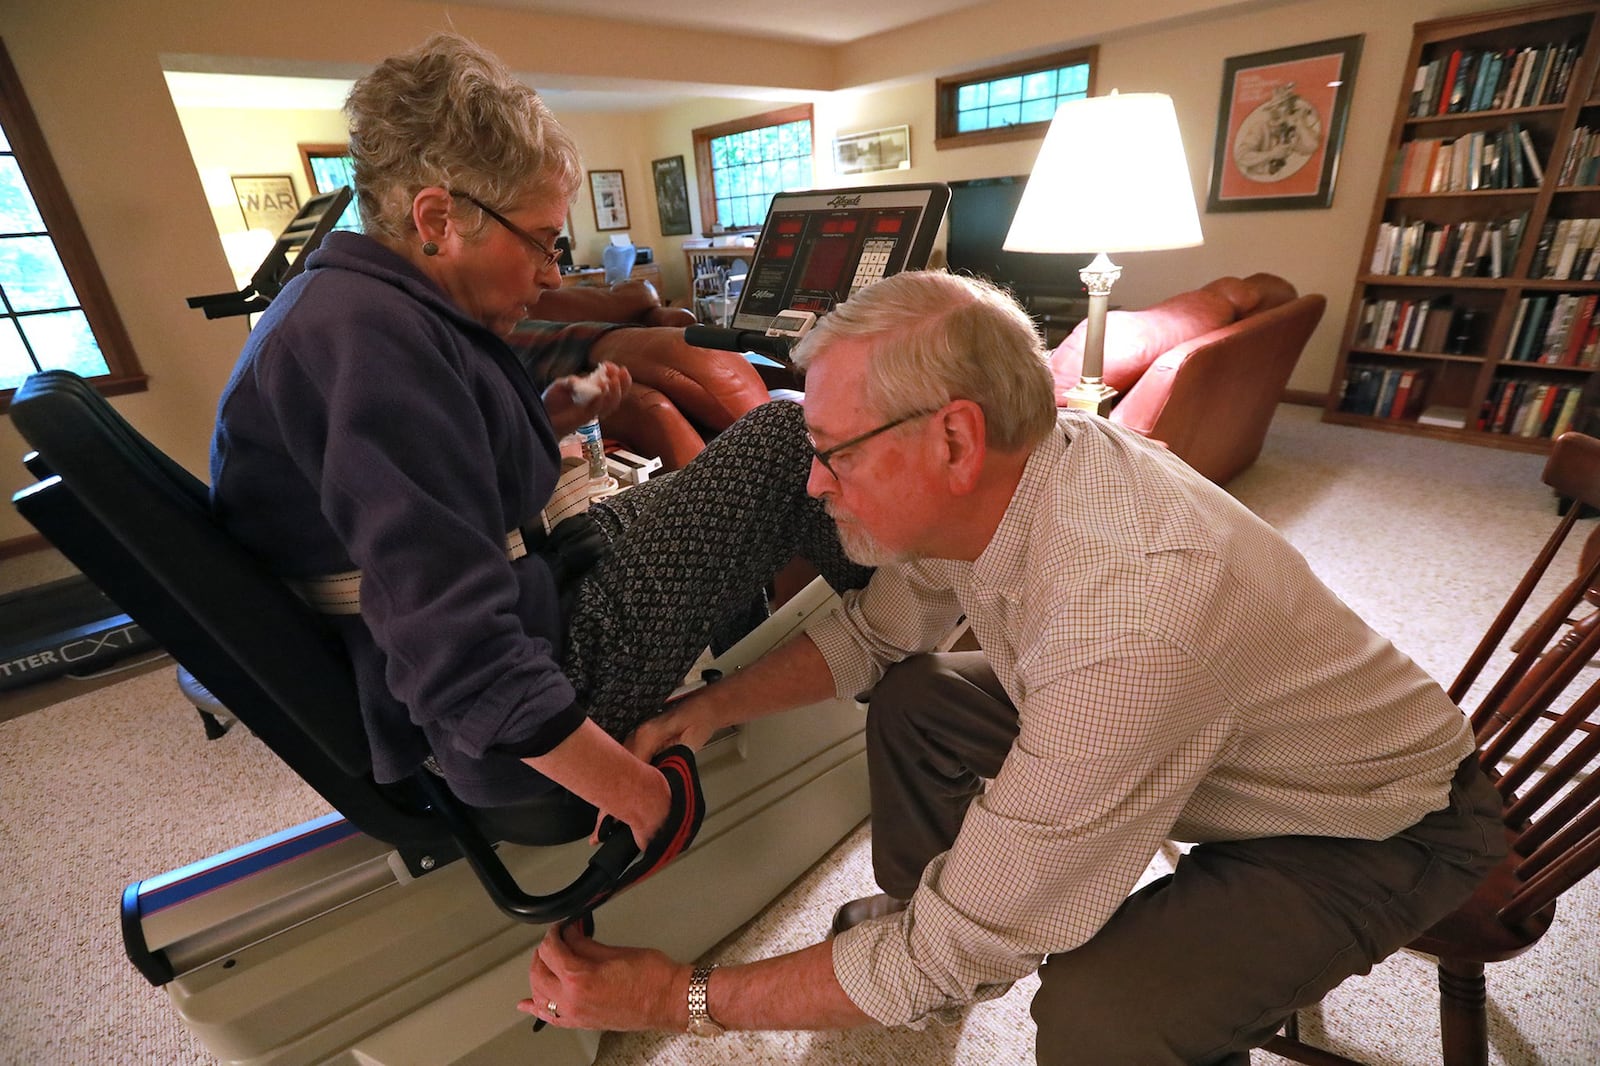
<point>819,247</point>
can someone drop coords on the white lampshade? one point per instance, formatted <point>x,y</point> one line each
<point>1110,177</point>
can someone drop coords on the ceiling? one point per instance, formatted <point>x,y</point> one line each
<point>824,22</point>
<point>816,21</point>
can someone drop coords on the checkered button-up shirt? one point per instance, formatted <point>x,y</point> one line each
<point>1178,672</point>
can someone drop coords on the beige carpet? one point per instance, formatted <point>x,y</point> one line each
<point>1422,538</point>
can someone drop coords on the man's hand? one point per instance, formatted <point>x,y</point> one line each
<point>571,401</point>
<point>596,986</point>
<point>687,721</point>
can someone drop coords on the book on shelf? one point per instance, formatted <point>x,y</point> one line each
<point>1444,416</point>
<point>1481,79</point>
<point>1463,78</point>
<point>1578,168</point>
<point>1359,395</point>
<point>1567,412</point>
<point>1531,334</point>
<point>1562,314</point>
<point>1448,83</point>
<point>1532,155</point>
<point>1498,406</point>
<point>1419,85</point>
<point>1410,387</point>
<point>1533,407</point>
<point>1541,250</point>
<point>1455,333</point>
<point>1588,354</point>
<point>1518,323</point>
<point>1578,333</point>
<point>1530,408</point>
<point>1387,384</point>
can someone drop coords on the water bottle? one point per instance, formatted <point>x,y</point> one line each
<point>593,450</point>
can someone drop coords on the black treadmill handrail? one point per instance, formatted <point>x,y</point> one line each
<point>727,339</point>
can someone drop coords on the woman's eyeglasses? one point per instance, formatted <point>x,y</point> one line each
<point>534,244</point>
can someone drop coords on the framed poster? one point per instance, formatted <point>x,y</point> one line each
<point>610,199</point>
<point>672,195</point>
<point>1280,126</point>
<point>267,201</point>
<point>870,150</point>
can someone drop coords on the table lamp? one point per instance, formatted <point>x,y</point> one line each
<point>1110,177</point>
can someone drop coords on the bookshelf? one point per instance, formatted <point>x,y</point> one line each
<point>1476,310</point>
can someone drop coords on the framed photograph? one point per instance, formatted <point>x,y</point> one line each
<point>268,201</point>
<point>672,195</point>
<point>610,199</point>
<point>870,150</point>
<point>1281,125</point>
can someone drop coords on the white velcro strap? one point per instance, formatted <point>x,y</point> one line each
<point>341,593</point>
<point>571,495</point>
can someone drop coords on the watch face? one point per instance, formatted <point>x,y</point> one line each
<point>704,1027</point>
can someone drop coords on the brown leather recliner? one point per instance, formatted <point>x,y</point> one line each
<point>681,395</point>
<point>1202,372</point>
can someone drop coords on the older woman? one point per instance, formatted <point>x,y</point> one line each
<point>380,445</point>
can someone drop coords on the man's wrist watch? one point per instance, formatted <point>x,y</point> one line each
<point>701,1023</point>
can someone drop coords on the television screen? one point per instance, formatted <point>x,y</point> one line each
<point>980,214</point>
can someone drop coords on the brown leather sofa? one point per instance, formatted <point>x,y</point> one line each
<point>1202,372</point>
<point>681,395</point>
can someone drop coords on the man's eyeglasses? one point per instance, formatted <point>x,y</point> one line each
<point>549,257</point>
<point>825,455</point>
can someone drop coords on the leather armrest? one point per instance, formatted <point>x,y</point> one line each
<point>713,388</point>
<point>626,301</point>
<point>649,424</point>
<point>670,316</point>
<point>1211,399</point>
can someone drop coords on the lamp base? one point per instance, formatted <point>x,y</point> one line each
<point>1092,395</point>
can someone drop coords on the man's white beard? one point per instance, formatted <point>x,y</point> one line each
<point>862,547</point>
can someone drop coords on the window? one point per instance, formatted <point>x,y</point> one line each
<point>55,310</point>
<point>1013,102</point>
<point>329,166</point>
<point>739,165</point>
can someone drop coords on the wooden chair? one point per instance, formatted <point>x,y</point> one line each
<point>1531,740</point>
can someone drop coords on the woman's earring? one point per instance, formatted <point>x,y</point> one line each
<point>430,248</point>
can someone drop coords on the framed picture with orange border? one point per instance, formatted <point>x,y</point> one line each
<point>1281,125</point>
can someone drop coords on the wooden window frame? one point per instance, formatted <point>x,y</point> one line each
<point>308,152</point>
<point>55,207</point>
<point>945,90</point>
<point>702,155</point>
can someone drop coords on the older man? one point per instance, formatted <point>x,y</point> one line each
<point>1157,663</point>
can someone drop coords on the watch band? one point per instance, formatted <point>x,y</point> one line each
<point>701,1023</point>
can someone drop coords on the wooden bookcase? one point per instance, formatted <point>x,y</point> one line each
<point>1497,339</point>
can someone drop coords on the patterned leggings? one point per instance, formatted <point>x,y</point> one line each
<point>689,551</point>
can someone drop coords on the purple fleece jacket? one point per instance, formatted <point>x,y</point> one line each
<point>370,425</point>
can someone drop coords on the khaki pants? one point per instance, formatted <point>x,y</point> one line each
<point>1208,962</point>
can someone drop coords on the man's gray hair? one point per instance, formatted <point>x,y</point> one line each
<point>939,337</point>
<point>449,113</point>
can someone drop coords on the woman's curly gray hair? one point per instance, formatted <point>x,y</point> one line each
<point>449,113</point>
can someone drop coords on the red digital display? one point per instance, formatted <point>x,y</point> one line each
<point>817,244</point>
<point>826,263</point>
